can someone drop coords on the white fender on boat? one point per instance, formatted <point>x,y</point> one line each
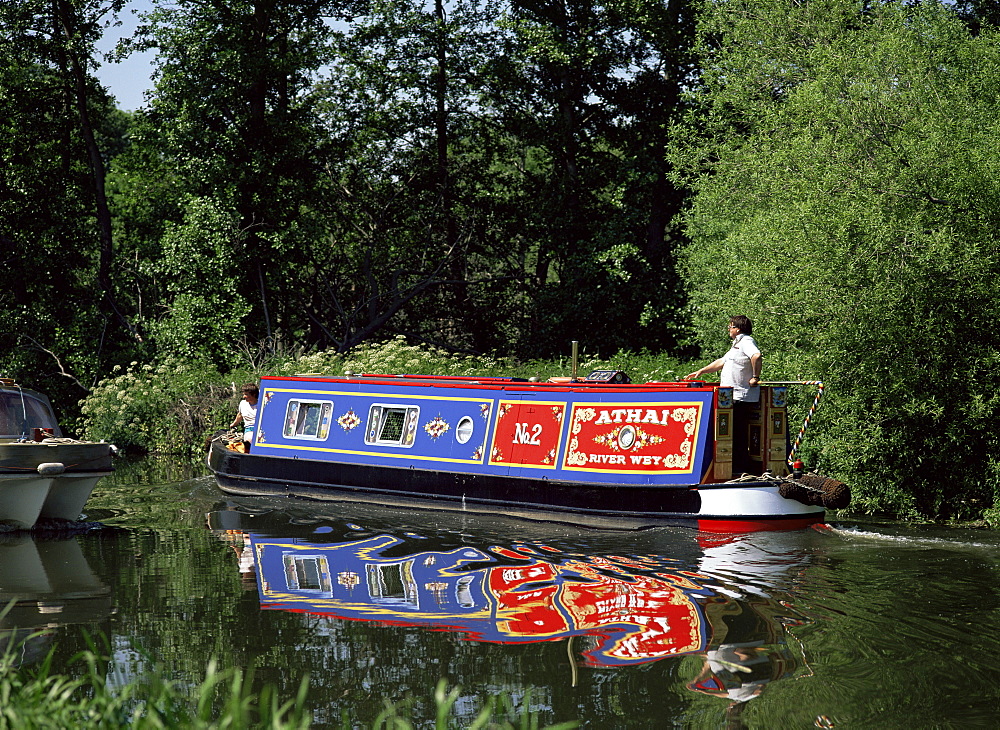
<point>51,468</point>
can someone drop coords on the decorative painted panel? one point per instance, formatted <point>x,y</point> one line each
<point>647,438</point>
<point>527,433</point>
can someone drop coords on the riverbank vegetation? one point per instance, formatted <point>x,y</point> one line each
<point>493,181</point>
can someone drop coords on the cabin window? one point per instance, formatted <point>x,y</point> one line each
<point>393,584</point>
<point>463,432</point>
<point>20,412</point>
<point>391,425</point>
<point>308,573</point>
<point>308,419</point>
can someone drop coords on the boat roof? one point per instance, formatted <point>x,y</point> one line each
<point>500,383</point>
<point>9,386</point>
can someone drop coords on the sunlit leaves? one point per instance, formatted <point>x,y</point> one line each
<point>847,201</point>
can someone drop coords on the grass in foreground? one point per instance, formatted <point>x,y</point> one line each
<point>39,697</point>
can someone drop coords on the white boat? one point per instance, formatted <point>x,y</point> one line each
<point>43,476</point>
<point>46,582</point>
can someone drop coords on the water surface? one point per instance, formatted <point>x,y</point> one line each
<point>861,624</point>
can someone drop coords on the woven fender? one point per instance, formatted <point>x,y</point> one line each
<point>816,489</point>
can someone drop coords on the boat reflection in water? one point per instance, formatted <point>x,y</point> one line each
<point>45,584</point>
<point>619,609</point>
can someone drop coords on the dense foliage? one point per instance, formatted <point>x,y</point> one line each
<point>176,406</point>
<point>847,194</point>
<point>504,176</point>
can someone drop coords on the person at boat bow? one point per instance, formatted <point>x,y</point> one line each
<point>741,368</point>
<point>247,413</point>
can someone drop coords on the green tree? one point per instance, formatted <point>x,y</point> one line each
<point>477,174</point>
<point>501,177</point>
<point>232,120</point>
<point>582,91</point>
<point>204,315</point>
<point>847,197</point>
<point>55,227</point>
<point>407,168</point>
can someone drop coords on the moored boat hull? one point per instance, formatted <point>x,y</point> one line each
<point>63,471</point>
<point>21,499</point>
<point>75,456</point>
<point>27,498</point>
<point>68,495</point>
<point>43,476</point>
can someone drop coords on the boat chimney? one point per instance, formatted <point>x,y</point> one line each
<point>576,345</point>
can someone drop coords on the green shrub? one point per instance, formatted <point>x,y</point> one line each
<point>162,408</point>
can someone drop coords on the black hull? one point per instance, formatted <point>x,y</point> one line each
<point>602,505</point>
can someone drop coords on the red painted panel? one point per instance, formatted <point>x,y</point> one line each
<point>527,433</point>
<point>527,602</point>
<point>645,438</point>
<point>652,617</point>
<point>662,619</point>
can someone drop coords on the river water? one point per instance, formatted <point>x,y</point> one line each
<point>859,624</point>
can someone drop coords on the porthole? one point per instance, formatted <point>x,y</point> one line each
<point>463,432</point>
<point>626,438</point>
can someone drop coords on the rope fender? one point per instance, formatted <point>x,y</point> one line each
<point>812,489</point>
<point>816,489</point>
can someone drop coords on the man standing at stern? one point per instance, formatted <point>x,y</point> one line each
<point>741,368</point>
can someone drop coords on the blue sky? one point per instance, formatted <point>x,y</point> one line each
<point>127,81</point>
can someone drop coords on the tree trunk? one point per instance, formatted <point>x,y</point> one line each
<point>64,15</point>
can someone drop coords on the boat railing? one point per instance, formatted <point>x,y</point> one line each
<point>812,410</point>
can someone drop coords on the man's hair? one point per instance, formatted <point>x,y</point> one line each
<point>251,389</point>
<point>742,323</point>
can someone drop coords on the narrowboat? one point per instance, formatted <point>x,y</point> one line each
<point>597,450</point>
<point>44,477</point>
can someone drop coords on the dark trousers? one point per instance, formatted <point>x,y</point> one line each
<point>741,436</point>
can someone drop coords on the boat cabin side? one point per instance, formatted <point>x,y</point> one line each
<point>25,414</point>
<point>668,434</point>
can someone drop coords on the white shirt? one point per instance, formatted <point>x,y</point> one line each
<point>249,414</point>
<point>737,369</point>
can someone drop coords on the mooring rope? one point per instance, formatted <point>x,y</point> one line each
<point>811,488</point>
<point>805,424</point>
